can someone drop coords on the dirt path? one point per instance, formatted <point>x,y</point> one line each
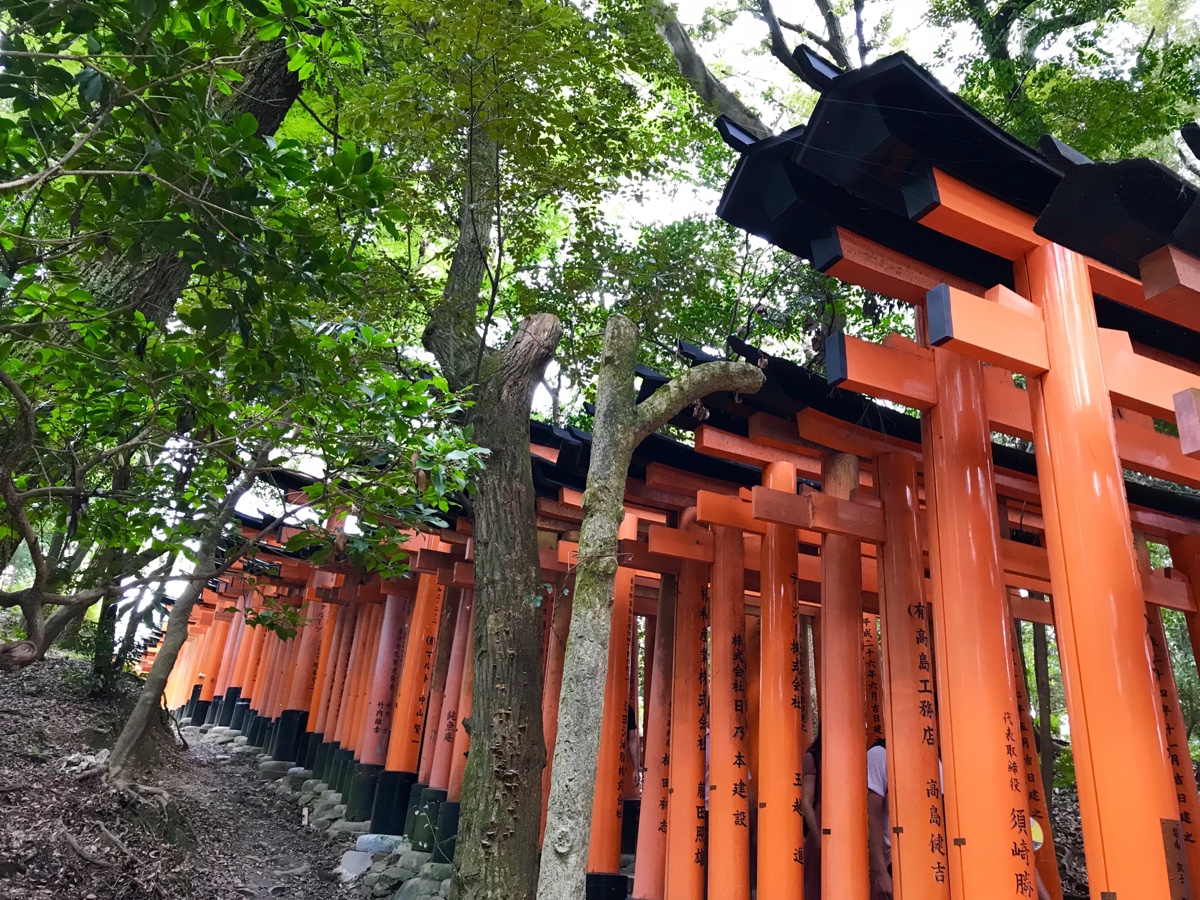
<point>223,836</point>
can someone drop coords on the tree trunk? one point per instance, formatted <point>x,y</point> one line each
<point>619,427</point>
<point>153,284</point>
<point>105,646</point>
<point>501,811</point>
<point>1041,675</point>
<point>573,776</point>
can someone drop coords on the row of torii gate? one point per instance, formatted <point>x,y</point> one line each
<point>894,586</point>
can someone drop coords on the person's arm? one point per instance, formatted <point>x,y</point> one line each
<point>1043,891</point>
<point>808,790</point>
<point>881,881</point>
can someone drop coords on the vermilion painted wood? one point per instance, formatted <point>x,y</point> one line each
<point>355,618</point>
<point>875,267</point>
<point>912,758</point>
<point>436,690</point>
<point>1171,281</point>
<point>632,780</point>
<point>844,871</point>
<point>780,835</point>
<point>462,740</point>
<point>377,725</point>
<point>604,847</point>
<point>214,652</point>
<point>307,657</point>
<point>687,844</point>
<point>1099,606</point>
<point>975,678</point>
<point>556,652</point>
<point>232,643</point>
<point>363,686</point>
<point>999,334</point>
<point>729,768</point>
<point>446,725</point>
<point>819,512</point>
<point>408,711</point>
<point>320,694</point>
<point>649,874</point>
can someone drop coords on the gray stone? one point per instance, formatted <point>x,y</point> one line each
<point>352,865</point>
<point>270,769</point>
<point>313,786</point>
<point>437,871</point>
<point>414,859</point>
<point>343,826</point>
<point>382,889</point>
<point>330,794</point>
<point>370,879</point>
<point>241,740</point>
<point>300,772</point>
<point>446,885</point>
<point>377,843</point>
<point>222,739</point>
<point>397,873</point>
<point>417,888</point>
<point>206,728</point>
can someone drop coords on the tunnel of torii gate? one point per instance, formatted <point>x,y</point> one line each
<point>819,557</point>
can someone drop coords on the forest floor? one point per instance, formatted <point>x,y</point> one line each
<point>221,836</point>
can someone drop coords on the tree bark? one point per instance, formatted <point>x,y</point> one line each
<point>696,72</point>
<point>154,284</point>
<point>177,626</point>
<point>497,850</point>
<point>620,425</point>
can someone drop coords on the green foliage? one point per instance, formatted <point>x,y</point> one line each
<point>1064,768</point>
<point>280,618</point>
<point>1071,69</point>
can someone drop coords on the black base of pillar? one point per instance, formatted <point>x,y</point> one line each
<point>193,699</point>
<point>446,834</point>
<point>269,736</point>
<point>344,769</point>
<point>630,816</point>
<point>214,710</point>
<point>228,703</point>
<point>425,819</point>
<point>258,730</point>
<point>410,815</point>
<point>391,794</point>
<point>240,714</point>
<point>311,743</point>
<point>604,886</point>
<point>324,757</point>
<point>287,735</point>
<point>361,796</point>
<point>199,711</point>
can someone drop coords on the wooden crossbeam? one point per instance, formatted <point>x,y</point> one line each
<point>819,512</point>
<point>1005,334</point>
<point>1171,282</point>
<point>856,260</point>
<point>1138,382</point>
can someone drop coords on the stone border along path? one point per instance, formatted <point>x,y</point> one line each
<point>382,864</point>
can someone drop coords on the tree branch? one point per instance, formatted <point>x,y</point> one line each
<point>837,39</point>
<point>779,48</point>
<point>707,378</point>
<point>696,72</point>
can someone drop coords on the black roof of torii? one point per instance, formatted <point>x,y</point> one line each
<point>864,162</point>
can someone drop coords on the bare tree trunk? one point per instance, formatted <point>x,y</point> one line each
<point>497,850</point>
<point>177,625</point>
<point>1041,675</point>
<point>153,284</point>
<point>620,426</point>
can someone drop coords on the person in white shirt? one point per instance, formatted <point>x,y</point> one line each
<point>879,832</point>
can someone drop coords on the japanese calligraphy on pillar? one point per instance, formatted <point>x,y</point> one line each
<point>630,621</point>
<point>871,681</point>
<point>1044,859</point>
<point>427,650</point>
<point>701,730</point>
<point>1183,776</point>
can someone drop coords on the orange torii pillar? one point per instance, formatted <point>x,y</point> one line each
<point>985,815</point>
<point>279,690</point>
<point>327,720</point>
<point>844,874</point>
<point>649,874</point>
<point>919,856</point>
<point>649,640</point>
<point>343,706</point>
<point>243,670</point>
<point>348,731</point>
<point>194,685</point>
<point>872,684</point>
<point>728,784</point>
<point>1130,817</point>
<point>556,653</point>
<point>293,718</point>
<point>780,752</point>
<point>433,707</point>
<point>313,735</point>
<point>632,726</point>
<point>214,654</point>
<point>264,679</point>
<point>445,837</point>
<point>604,878</point>
<point>1045,859</point>
<point>408,711</point>
<point>226,696</point>
<point>179,685</point>
<point>372,749</point>
<point>687,813</point>
<point>443,729</point>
